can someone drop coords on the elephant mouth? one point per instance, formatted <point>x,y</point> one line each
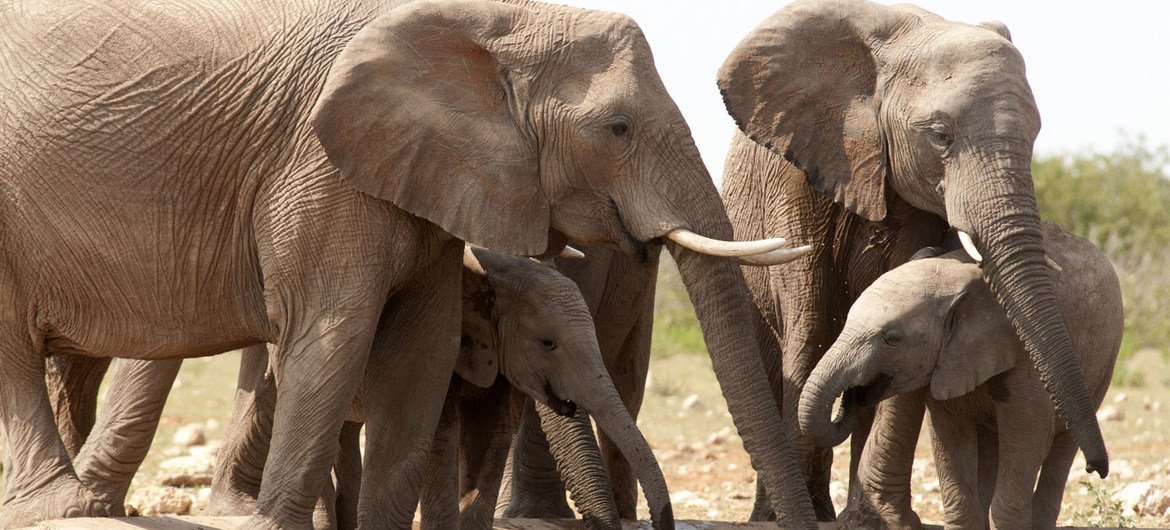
<point>560,406</point>
<point>861,396</point>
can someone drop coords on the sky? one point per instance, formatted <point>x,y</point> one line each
<point>1100,71</point>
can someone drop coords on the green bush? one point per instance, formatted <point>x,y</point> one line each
<point>1121,202</point>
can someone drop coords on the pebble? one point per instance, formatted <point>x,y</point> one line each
<point>187,471</point>
<point>1110,413</point>
<point>190,435</point>
<point>156,500</point>
<point>694,403</point>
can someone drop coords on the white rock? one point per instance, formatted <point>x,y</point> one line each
<point>187,471</point>
<point>1120,397</point>
<point>693,402</point>
<point>212,424</point>
<point>1157,502</point>
<point>1121,469</point>
<point>839,494</point>
<point>1110,413</point>
<point>190,435</point>
<point>1133,497</point>
<point>720,437</point>
<point>154,500</point>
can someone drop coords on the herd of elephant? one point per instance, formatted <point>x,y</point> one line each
<point>375,199</point>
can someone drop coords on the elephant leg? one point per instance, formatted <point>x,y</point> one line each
<point>410,369</point>
<point>1053,478</point>
<point>536,487</point>
<point>485,438</point>
<point>1025,435</point>
<point>628,372</point>
<point>439,501</point>
<point>39,481</point>
<point>881,493</point>
<point>239,466</point>
<point>348,475</point>
<point>126,427</point>
<point>988,464</point>
<point>74,381</point>
<point>954,441</point>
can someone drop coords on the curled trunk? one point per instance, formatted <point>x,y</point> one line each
<point>578,458</point>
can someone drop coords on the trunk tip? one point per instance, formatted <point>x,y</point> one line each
<point>1100,466</point>
<point>665,518</point>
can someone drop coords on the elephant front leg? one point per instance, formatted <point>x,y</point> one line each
<point>239,466</point>
<point>628,372</point>
<point>485,438</point>
<point>439,501</point>
<point>73,382</point>
<point>954,440</point>
<point>318,366</point>
<point>880,494</point>
<point>1025,436</point>
<point>403,394</point>
<point>39,481</point>
<point>533,488</point>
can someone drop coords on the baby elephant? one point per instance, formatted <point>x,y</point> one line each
<point>934,322</point>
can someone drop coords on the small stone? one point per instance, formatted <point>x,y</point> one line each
<point>1132,497</point>
<point>693,403</point>
<point>1120,397</point>
<point>187,471</point>
<point>154,500</point>
<point>190,435</point>
<point>720,437</point>
<point>212,424</point>
<point>1110,413</point>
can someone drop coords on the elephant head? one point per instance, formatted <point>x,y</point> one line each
<point>521,126</point>
<point>916,326</point>
<point>871,101</point>
<point>530,324</point>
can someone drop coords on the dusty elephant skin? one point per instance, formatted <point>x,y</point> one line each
<point>867,131</point>
<point>304,172</point>
<point>933,324</point>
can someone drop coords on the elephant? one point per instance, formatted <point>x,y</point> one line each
<point>932,323</point>
<point>869,132</point>
<point>306,179</point>
<point>511,308</point>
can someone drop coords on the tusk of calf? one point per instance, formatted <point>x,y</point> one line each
<point>775,257</point>
<point>969,246</point>
<point>572,253</point>
<point>1052,264</point>
<point>731,249</point>
<point>470,262</point>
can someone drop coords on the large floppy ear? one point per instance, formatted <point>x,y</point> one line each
<point>998,27</point>
<point>479,349</point>
<point>424,108</point>
<point>978,343</point>
<point>804,84</point>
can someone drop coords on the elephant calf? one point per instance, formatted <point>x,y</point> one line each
<point>933,322</point>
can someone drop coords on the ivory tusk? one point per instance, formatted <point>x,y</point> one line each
<point>1052,264</point>
<point>471,262</point>
<point>969,246</point>
<point>716,247</point>
<point>572,253</point>
<point>775,257</point>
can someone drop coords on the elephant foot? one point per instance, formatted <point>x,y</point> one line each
<point>230,505</point>
<point>262,522</point>
<point>62,499</point>
<point>870,517</point>
<point>549,507</point>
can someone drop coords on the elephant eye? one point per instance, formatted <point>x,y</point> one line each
<point>548,344</point>
<point>893,337</point>
<point>940,137</point>
<point>620,129</point>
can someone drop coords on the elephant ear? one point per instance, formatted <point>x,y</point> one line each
<point>479,349</point>
<point>423,109</point>
<point>978,343</point>
<point>998,27</point>
<point>804,85</point>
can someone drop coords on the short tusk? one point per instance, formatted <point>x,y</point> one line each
<point>470,262</point>
<point>776,257</point>
<point>572,253</point>
<point>1052,264</point>
<point>969,246</point>
<point>716,247</point>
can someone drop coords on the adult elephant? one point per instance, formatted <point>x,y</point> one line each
<point>304,179</point>
<point>868,131</point>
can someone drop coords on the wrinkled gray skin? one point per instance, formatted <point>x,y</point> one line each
<point>866,131</point>
<point>533,303</point>
<point>933,324</point>
<point>303,179</point>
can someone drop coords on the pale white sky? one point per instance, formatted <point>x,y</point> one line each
<point>1097,68</point>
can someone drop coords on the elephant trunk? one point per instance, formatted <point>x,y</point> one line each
<point>1007,232</point>
<point>827,381</point>
<point>612,417</point>
<point>573,446</point>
